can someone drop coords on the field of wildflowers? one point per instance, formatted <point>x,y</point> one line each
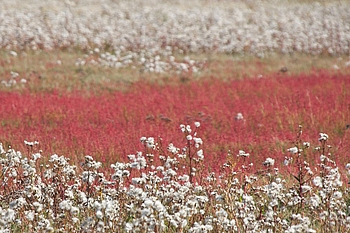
<point>259,115</point>
<point>165,189</point>
<point>147,116</point>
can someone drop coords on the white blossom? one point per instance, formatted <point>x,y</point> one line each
<point>323,137</point>
<point>317,181</point>
<point>242,153</point>
<point>293,150</point>
<point>269,162</point>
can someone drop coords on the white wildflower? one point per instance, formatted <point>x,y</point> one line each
<point>273,203</point>
<point>150,143</point>
<point>18,203</point>
<point>29,215</point>
<point>128,226</point>
<point>269,162</point>
<point>293,150</point>
<point>323,137</point>
<point>14,74</point>
<point>148,202</point>
<point>337,195</point>
<point>239,116</point>
<point>317,181</point>
<point>184,178</point>
<point>197,141</point>
<point>145,212</point>
<point>99,214</point>
<point>65,205</point>
<point>347,166</point>
<point>2,151</point>
<point>183,128</point>
<point>38,206</point>
<point>306,188</point>
<point>221,214</point>
<point>75,220</point>
<point>88,177</point>
<point>74,210</point>
<point>31,143</point>
<point>171,148</point>
<point>188,129</point>
<point>306,144</point>
<point>8,215</point>
<point>314,201</point>
<point>13,53</point>
<point>36,156</point>
<point>242,153</point>
<point>143,139</point>
<point>200,154</point>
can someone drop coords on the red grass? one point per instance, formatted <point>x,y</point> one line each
<point>109,126</point>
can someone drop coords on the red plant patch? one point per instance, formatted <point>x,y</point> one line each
<point>108,126</point>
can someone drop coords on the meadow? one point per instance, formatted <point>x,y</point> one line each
<point>215,116</point>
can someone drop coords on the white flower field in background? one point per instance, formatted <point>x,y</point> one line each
<point>152,34</point>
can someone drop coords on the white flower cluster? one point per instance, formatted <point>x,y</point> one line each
<point>242,153</point>
<point>323,137</point>
<point>152,33</point>
<point>148,142</point>
<point>150,60</point>
<point>13,80</point>
<point>160,196</point>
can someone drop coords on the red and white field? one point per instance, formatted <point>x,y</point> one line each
<point>174,116</point>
